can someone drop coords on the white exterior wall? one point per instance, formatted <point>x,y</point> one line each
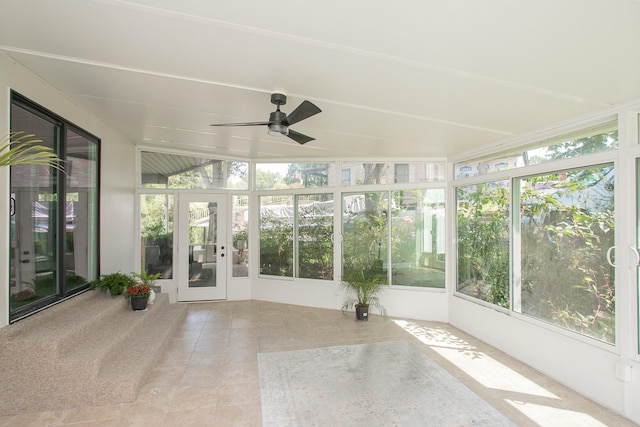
<point>117,213</point>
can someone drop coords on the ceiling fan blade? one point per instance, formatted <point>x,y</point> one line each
<point>242,124</point>
<point>298,137</point>
<point>303,111</point>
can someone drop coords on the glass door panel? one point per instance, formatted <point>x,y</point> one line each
<point>202,248</point>
<point>34,220</point>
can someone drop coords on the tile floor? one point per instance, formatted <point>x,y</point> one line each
<point>208,375</point>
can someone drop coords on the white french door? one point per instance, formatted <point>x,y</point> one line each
<point>202,247</point>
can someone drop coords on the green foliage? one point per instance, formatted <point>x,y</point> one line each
<point>315,245</point>
<point>483,243</point>
<point>276,245</point>
<point>362,285</point>
<point>145,278</point>
<point>582,146</point>
<point>114,283</point>
<point>266,180</point>
<point>19,148</point>
<point>566,227</point>
<point>566,278</point>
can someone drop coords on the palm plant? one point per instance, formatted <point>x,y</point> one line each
<point>362,288</point>
<point>19,148</point>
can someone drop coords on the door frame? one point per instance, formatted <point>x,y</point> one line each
<point>184,292</point>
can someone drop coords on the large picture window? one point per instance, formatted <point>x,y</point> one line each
<point>566,228</point>
<point>296,236</point>
<point>547,259</point>
<point>54,216</point>
<point>315,236</point>
<point>418,238</point>
<point>276,235</point>
<point>482,215</point>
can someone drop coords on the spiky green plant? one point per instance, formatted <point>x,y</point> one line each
<point>19,148</point>
<point>362,287</point>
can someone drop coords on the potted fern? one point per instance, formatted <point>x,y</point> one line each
<point>113,283</point>
<point>362,287</point>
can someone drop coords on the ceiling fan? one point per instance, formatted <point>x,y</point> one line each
<point>279,121</point>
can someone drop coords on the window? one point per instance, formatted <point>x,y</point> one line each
<point>566,227</point>
<point>54,216</point>
<point>314,222</point>
<point>391,173</point>
<point>310,218</point>
<point>278,176</point>
<point>240,227</point>
<point>172,171</point>
<point>594,139</point>
<point>276,235</point>
<point>156,229</point>
<point>401,173</point>
<point>365,233</point>
<point>346,177</point>
<point>418,238</point>
<point>482,220</point>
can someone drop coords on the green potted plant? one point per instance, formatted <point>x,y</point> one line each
<point>146,279</point>
<point>113,283</point>
<point>362,287</point>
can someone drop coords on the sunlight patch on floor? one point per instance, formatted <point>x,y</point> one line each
<point>494,375</point>
<point>547,415</point>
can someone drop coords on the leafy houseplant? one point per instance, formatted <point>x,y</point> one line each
<point>114,283</point>
<point>139,295</point>
<point>19,148</point>
<point>362,287</point>
<point>146,279</point>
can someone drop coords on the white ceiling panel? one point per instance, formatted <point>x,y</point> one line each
<point>421,78</point>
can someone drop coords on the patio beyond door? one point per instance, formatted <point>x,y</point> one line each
<point>202,248</point>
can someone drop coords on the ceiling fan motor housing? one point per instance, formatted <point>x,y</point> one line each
<point>278,98</point>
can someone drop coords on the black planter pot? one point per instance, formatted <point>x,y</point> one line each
<point>139,303</point>
<point>362,312</point>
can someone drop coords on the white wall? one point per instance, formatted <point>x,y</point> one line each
<point>117,182</point>
<point>584,366</point>
<point>421,304</point>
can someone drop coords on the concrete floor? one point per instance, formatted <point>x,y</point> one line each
<point>208,375</point>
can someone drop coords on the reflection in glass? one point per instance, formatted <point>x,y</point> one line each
<point>81,236</point>
<point>34,254</point>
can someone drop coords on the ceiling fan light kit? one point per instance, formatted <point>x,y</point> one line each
<point>279,122</point>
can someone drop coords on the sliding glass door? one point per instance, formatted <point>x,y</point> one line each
<point>54,215</point>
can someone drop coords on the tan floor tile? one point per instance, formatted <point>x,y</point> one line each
<point>208,374</point>
<point>195,397</point>
<point>239,416</point>
<point>191,418</point>
<point>201,375</point>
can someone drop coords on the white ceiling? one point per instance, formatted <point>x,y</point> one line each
<point>402,79</point>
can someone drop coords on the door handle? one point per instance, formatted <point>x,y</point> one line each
<point>25,261</point>
<point>612,248</point>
